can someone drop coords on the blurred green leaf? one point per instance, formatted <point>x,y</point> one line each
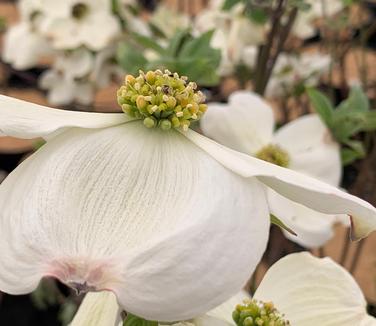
<point>187,55</point>
<point>353,152</point>
<point>44,295</point>
<point>148,43</point>
<point>302,5</point>
<point>347,124</point>
<point>257,15</point>
<point>130,58</point>
<point>370,121</point>
<point>357,101</point>
<point>228,4</point>
<point>177,42</point>
<point>349,156</point>
<point>67,311</point>
<point>322,105</point>
<point>132,320</point>
<point>3,24</point>
<point>276,221</point>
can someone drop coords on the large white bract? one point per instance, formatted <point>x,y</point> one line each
<point>170,221</point>
<point>247,124</point>
<point>308,291</point>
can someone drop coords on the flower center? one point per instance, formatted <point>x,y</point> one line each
<point>163,100</point>
<point>256,313</point>
<point>84,275</point>
<point>274,154</point>
<point>80,10</point>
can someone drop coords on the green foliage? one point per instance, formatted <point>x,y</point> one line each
<point>276,221</point>
<point>187,55</point>
<point>133,320</point>
<point>3,24</point>
<point>349,118</point>
<point>44,295</point>
<point>302,5</point>
<point>228,4</point>
<point>67,311</point>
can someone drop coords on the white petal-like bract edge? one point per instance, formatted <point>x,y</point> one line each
<point>311,148</point>
<point>312,291</point>
<point>302,189</point>
<point>245,124</point>
<point>27,120</point>
<point>144,213</point>
<point>313,229</point>
<point>98,309</point>
<point>225,310</point>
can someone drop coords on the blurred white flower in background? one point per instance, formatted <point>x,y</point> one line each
<point>233,31</point>
<point>304,26</point>
<point>80,38</point>
<point>247,124</point>
<point>292,70</point>
<point>105,68</point>
<point>129,11</point>
<point>72,23</point>
<point>23,44</point>
<point>169,21</point>
<point>23,47</point>
<point>68,80</point>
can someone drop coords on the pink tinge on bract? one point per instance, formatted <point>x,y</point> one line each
<point>84,274</point>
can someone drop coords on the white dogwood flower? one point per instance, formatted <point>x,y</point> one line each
<point>23,47</point>
<point>68,80</point>
<point>72,23</point>
<point>169,21</point>
<point>305,145</point>
<point>107,204</point>
<point>307,291</point>
<point>300,288</point>
<point>304,26</point>
<point>290,70</point>
<point>233,31</point>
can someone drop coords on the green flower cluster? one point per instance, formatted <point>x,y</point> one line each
<point>258,313</point>
<point>161,99</point>
<point>274,154</point>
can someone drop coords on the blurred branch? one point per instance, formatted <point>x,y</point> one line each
<point>269,53</point>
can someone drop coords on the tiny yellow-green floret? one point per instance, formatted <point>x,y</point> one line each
<point>274,154</point>
<point>161,99</point>
<point>258,313</point>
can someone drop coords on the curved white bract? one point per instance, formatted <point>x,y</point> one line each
<point>144,213</point>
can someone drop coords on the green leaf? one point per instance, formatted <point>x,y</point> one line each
<point>177,42</point>
<point>197,47</point>
<point>276,221</point>
<point>3,24</point>
<point>348,156</point>
<point>257,15</point>
<point>353,152</point>
<point>228,4</point>
<point>130,59</point>
<point>357,101</point>
<point>133,320</point>
<point>67,311</point>
<point>370,121</point>
<point>148,43</point>
<point>322,105</point>
<point>347,124</point>
<point>356,146</point>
